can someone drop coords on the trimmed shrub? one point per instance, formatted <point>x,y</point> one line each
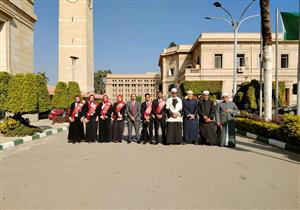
<point>73,91</point>
<point>4,81</point>
<point>23,130</point>
<point>43,97</point>
<point>290,128</point>
<point>266,129</point>
<point>251,99</point>
<point>22,94</point>
<point>247,96</point>
<point>60,97</point>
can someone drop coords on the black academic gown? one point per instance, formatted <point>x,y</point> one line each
<point>147,130</point>
<point>159,122</point>
<point>91,126</point>
<point>190,126</point>
<point>105,127</point>
<point>208,133</point>
<point>76,131</point>
<point>118,125</point>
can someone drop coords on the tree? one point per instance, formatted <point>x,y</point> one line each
<point>99,80</point>
<point>73,91</point>
<point>43,97</point>
<point>4,81</point>
<point>267,57</point>
<point>172,44</point>
<point>60,96</point>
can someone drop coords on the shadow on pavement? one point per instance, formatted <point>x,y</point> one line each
<point>294,158</point>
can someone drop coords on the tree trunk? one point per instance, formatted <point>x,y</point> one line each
<point>267,57</point>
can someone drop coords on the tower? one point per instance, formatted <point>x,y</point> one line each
<point>76,45</point>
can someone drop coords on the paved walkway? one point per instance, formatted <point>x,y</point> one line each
<point>51,174</point>
<point>44,124</point>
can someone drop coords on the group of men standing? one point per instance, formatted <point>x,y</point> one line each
<point>201,121</point>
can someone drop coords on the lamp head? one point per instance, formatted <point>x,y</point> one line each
<point>208,18</point>
<point>217,4</point>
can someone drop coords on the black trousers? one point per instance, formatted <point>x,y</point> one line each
<point>162,124</point>
<point>147,131</point>
<point>117,130</point>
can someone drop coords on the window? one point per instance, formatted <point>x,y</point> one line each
<point>171,72</point>
<point>198,60</point>
<point>240,60</point>
<point>218,61</point>
<point>284,61</point>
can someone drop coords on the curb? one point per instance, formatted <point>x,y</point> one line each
<point>280,144</point>
<point>34,137</point>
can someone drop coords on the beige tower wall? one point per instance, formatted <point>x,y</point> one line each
<point>76,39</point>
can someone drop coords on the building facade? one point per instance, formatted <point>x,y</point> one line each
<point>211,58</point>
<point>125,84</point>
<point>76,45</point>
<point>17,21</point>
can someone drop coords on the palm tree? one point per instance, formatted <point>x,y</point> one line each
<point>43,74</point>
<point>267,56</point>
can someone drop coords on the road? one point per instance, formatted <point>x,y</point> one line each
<point>51,174</point>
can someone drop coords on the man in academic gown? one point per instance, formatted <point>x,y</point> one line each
<point>225,120</point>
<point>76,132</point>
<point>147,120</point>
<point>174,121</point>
<point>190,119</point>
<point>91,119</point>
<point>104,111</point>
<point>206,111</point>
<point>133,111</point>
<point>159,112</point>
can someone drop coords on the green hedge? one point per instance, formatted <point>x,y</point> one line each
<point>214,87</point>
<point>288,130</point>
<point>4,81</point>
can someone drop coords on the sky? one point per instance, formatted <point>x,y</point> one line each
<point>130,34</point>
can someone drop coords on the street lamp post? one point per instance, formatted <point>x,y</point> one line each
<point>235,26</point>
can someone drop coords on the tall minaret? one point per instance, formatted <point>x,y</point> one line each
<point>76,44</point>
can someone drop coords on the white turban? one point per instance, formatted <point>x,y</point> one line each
<point>224,95</point>
<point>190,92</point>
<point>173,90</point>
<point>206,92</point>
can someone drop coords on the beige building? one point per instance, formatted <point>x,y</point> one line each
<point>76,46</point>
<point>17,20</point>
<point>125,84</point>
<point>211,58</point>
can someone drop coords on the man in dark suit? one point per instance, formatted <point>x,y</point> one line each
<point>147,120</point>
<point>159,112</point>
<point>133,112</point>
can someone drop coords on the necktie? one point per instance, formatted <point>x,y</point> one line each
<point>132,108</point>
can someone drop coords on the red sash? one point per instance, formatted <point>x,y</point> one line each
<point>148,110</point>
<point>160,106</point>
<point>76,110</point>
<point>120,106</point>
<point>105,109</point>
<point>92,110</point>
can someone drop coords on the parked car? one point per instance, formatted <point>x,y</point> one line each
<point>288,110</point>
